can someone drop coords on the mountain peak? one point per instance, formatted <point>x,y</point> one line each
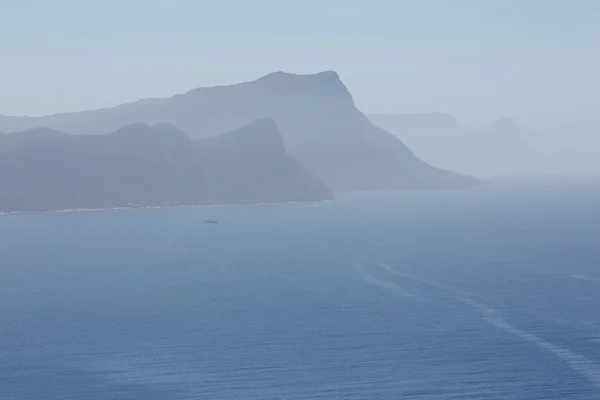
<point>279,82</point>
<point>277,75</point>
<point>161,137</point>
<point>317,120</point>
<point>504,126</point>
<point>165,126</point>
<point>260,136</point>
<point>133,129</point>
<point>326,82</point>
<point>281,75</point>
<point>505,123</point>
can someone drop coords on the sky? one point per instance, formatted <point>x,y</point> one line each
<point>536,61</point>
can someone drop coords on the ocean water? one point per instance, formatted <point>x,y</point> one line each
<point>486,294</point>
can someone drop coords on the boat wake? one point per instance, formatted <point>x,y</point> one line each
<point>492,316</point>
<point>383,284</point>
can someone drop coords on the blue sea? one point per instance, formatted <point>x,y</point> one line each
<point>482,294</point>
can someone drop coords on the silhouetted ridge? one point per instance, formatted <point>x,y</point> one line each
<point>417,123</point>
<point>316,117</point>
<point>504,123</point>
<point>158,138</point>
<point>501,149</point>
<point>255,137</point>
<point>143,165</point>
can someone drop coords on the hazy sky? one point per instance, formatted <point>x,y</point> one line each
<point>535,60</point>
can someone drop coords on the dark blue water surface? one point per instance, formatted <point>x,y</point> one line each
<point>487,294</point>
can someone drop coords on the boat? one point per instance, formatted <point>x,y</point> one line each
<point>211,221</point>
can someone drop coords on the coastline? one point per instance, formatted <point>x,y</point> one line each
<point>166,206</point>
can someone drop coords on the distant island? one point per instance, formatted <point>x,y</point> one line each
<point>318,121</point>
<point>141,165</point>
<point>499,150</point>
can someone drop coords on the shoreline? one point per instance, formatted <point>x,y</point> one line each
<point>151,207</point>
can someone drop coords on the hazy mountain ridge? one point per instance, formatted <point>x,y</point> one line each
<point>142,165</point>
<point>419,123</point>
<point>501,149</point>
<point>320,125</point>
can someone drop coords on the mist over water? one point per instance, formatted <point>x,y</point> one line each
<point>487,294</point>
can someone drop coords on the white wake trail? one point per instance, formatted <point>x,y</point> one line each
<point>383,284</point>
<point>578,363</point>
<point>459,293</point>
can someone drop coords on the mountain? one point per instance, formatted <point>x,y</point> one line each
<point>250,164</point>
<point>142,165</point>
<point>511,149</point>
<point>320,125</point>
<point>418,124</point>
<point>501,149</point>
